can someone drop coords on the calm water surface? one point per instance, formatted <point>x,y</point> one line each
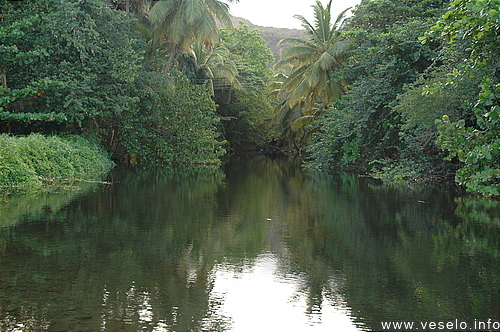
<point>258,245</point>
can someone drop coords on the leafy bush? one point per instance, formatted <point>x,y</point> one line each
<point>65,65</point>
<point>473,27</point>
<point>79,67</point>
<point>173,124</point>
<point>24,161</point>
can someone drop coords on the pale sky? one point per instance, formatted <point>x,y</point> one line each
<point>279,13</point>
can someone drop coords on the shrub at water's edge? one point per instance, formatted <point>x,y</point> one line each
<point>25,161</point>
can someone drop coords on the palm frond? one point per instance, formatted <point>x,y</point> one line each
<point>198,53</point>
<point>291,83</point>
<point>221,12</point>
<point>300,53</point>
<point>339,47</point>
<point>326,61</point>
<point>274,94</point>
<point>314,74</point>
<point>340,18</point>
<point>302,122</point>
<point>193,10</point>
<point>322,23</point>
<point>311,63</point>
<point>206,29</point>
<point>280,77</point>
<point>144,30</point>
<point>161,10</point>
<point>300,94</point>
<point>305,24</point>
<point>295,42</point>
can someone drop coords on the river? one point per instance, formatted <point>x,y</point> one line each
<point>255,245</point>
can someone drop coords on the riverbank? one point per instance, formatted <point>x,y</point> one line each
<point>29,161</point>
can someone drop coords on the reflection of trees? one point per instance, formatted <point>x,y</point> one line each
<point>479,234</point>
<point>41,201</point>
<point>387,242</point>
<point>130,245</point>
<point>140,253</point>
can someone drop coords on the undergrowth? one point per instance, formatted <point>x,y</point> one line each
<point>28,161</point>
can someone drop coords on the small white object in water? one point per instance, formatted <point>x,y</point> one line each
<point>268,219</point>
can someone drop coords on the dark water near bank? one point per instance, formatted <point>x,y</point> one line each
<point>258,245</point>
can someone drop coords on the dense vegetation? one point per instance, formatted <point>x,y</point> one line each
<point>89,68</point>
<point>31,160</point>
<point>408,64</point>
<point>173,82</point>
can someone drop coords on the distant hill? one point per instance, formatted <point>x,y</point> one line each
<point>271,35</point>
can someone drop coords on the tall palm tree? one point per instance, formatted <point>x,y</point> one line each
<point>179,23</point>
<point>311,64</point>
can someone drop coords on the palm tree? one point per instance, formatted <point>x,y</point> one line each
<point>312,64</point>
<point>179,23</point>
<point>290,119</point>
<point>220,71</point>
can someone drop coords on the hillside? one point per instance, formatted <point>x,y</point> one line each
<point>271,35</point>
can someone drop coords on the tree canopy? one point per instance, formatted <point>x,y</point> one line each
<point>308,78</point>
<point>171,81</point>
<point>412,63</point>
<point>81,67</point>
<point>178,24</point>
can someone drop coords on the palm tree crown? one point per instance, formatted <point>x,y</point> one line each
<point>313,61</point>
<point>220,71</point>
<point>308,72</point>
<point>179,23</point>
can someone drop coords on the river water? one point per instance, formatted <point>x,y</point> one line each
<point>256,245</point>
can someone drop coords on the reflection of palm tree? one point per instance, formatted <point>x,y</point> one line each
<point>179,23</point>
<point>313,64</point>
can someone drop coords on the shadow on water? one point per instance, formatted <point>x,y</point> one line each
<point>257,245</point>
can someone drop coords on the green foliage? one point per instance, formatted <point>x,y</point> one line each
<point>79,67</point>
<point>250,53</point>
<point>309,76</point>
<point>401,172</point>
<point>473,26</point>
<point>176,125</point>
<point>386,57</point>
<point>426,100</point>
<point>67,61</point>
<point>350,152</point>
<point>246,111</point>
<point>478,150</point>
<point>178,24</point>
<point>400,86</point>
<point>219,71</point>
<point>24,161</point>
<point>333,139</point>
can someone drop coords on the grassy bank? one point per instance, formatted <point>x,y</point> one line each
<point>26,161</point>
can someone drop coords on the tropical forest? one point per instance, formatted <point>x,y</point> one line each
<point>166,166</point>
<point>400,90</point>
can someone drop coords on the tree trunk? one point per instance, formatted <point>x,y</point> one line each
<point>171,58</point>
<point>127,6</point>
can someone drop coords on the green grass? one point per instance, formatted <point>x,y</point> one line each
<point>25,161</point>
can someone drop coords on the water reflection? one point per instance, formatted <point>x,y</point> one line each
<point>256,246</point>
<point>32,204</point>
<point>260,297</point>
